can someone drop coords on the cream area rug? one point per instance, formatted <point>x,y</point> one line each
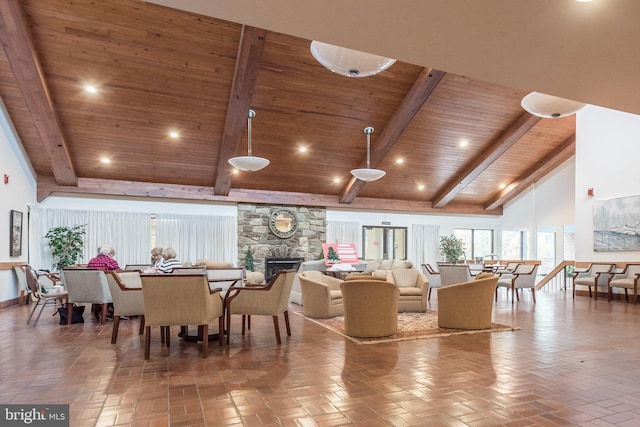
<point>411,326</point>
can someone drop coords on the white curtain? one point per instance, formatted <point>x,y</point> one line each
<point>425,243</point>
<point>129,233</point>
<point>344,232</point>
<point>197,237</point>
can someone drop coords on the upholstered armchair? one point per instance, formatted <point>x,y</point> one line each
<point>321,295</point>
<point>522,278</point>
<point>261,300</point>
<point>370,308</point>
<point>433,277</point>
<point>467,305</point>
<point>413,287</point>
<point>296,288</point>
<point>86,285</point>
<point>126,292</point>
<point>177,300</point>
<point>451,274</point>
<point>626,279</point>
<point>598,274</point>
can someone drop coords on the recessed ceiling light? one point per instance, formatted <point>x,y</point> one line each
<point>235,171</point>
<point>174,134</point>
<point>400,161</point>
<point>421,187</point>
<point>302,149</point>
<point>90,89</point>
<point>336,180</point>
<point>464,143</point>
<point>105,160</point>
<point>583,1</point>
<point>503,186</point>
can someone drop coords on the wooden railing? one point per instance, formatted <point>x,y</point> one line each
<point>557,278</point>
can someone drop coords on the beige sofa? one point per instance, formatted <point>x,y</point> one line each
<point>321,294</point>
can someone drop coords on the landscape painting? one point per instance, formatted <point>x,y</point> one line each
<point>616,224</point>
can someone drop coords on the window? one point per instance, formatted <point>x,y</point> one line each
<point>477,243</point>
<point>515,244</point>
<point>546,250</point>
<point>384,242</point>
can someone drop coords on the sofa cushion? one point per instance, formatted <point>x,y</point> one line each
<point>208,263</point>
<point>398,264</point>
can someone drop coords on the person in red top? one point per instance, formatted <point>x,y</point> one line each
<point>103,261</point>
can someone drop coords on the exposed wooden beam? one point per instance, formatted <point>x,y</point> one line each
<point>248,60</point>
<point>558,156</point>
<point>47,186</point>
<point>422,88</point>
<point>20,50</point>
<point>470,172</point>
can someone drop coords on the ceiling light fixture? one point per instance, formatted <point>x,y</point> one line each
<point>549,106</point>
<point>367,174</point>
<point>349,62</point>
<point>249,163</point>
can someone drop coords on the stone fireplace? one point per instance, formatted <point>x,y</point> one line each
<point>273,265</point>
<point>254,234</point>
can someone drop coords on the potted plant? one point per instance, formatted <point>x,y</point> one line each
<point>452,248</point>
<point>67,244</point>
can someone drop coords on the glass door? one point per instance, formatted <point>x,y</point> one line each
<point>384,242</point>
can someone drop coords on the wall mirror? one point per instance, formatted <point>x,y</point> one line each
<point>283,223</point>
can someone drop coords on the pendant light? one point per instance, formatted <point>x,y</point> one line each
<point>349,62</point>
<point>549,106</point>
<point>367,174</point>
<point>249,163</point>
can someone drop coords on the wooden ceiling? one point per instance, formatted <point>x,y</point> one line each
<point>159,69</point>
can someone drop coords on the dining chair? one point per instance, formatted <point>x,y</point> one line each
<point>86,285</point>
<point>42,299</point>
<point>126,292</point>
<point>261,300</point>
<point>433,277</point>
<point>598,274</point>
<point>522,278</point>
<point>178,300</point>
<point>626,279</point>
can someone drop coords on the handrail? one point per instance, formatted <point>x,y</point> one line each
<point>560,268</point>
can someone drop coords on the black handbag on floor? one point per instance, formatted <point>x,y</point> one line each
<point>76,316</point>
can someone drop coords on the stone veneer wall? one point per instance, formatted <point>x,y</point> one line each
<point>254,233</point>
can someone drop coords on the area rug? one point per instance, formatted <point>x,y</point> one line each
<point>411,326</point>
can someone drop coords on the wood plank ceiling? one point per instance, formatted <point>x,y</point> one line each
<point>159,69</point>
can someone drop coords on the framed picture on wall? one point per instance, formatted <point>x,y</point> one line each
<point>15,235</point>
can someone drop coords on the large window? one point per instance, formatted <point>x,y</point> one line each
<point>515,244</point>
<point>546,250</point>
<point>384,242</point>
<point>477,243</point>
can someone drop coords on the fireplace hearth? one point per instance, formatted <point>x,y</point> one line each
<point>273,265</point>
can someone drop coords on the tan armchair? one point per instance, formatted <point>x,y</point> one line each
<point>626,279</point>
<point>86,285</point>
<point>126,292</point>
<point>467,305</point>
<point>321,295</point>
<point>598,274</point>
<point>414,289</point>
<point>261,300</point>
<point>370,308</point>
<point>522,278</point>
<point>177,300</point>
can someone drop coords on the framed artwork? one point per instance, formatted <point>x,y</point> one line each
<point>15,223</point>
<point>616,224</point>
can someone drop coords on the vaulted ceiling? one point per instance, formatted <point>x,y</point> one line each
<point>467,141</point>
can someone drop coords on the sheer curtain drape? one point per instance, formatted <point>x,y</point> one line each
<point>425,243</point>
<point>344,232</point>
<point>197,237</point>
<point>128,232</point>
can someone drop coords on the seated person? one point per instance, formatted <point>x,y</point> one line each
<point>103,261</point>
<point>156,257</point>
<point>170,262</point>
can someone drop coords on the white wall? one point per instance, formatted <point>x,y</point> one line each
<point>17,195</point>
<point>548,204</point>
<point>608,145</point>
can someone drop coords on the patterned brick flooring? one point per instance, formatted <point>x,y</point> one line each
<point>572,363</point>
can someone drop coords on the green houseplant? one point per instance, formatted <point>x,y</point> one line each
<point>66,244</point>
<point>452,248</point>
